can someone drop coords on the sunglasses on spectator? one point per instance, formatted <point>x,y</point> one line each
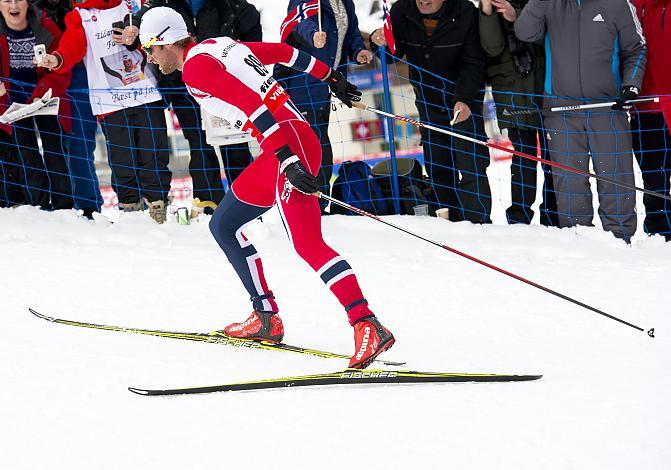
<point>147,47</point>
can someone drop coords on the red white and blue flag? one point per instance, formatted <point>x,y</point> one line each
<point>388,34</point>
<point>295,16</point>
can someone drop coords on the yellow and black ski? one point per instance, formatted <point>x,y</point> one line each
<point>345,377</point>
<point>214,338</point>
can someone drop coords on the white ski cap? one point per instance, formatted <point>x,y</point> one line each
<point>162,25</point>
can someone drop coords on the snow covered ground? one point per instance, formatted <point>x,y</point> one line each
<point>603,402</point>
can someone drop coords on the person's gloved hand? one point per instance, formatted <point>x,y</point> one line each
<point>342,89</point>
<point>627,93</point>
<point>299,177</point>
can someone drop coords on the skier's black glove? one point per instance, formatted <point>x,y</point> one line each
<point>627,93</point>
<point>342,89</point>
<point>299,177</point>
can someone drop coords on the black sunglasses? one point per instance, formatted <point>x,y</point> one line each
<point>147,47</point>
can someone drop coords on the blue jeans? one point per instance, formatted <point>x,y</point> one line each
<point>82,143</point>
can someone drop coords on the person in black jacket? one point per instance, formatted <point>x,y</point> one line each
<point>441,41</point>
<point>239,20</point>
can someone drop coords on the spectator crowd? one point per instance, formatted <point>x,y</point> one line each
<point>534,54</point>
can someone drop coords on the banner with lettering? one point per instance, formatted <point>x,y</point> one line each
<point>118,78</point>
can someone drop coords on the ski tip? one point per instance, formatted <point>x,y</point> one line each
<point>39,315</point>
<point>138,391</point>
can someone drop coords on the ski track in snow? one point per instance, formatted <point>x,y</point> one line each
<point>603,402</point>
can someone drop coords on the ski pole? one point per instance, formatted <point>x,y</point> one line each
<point>578,107</point>
<point>651,331</point>
<point>365,107</point>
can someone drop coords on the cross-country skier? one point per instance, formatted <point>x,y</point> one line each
<point>229,79</point>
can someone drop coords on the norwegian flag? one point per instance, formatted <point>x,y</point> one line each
<point>295,16</point>
<point>388,34</point>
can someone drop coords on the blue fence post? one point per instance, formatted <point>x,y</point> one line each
<point>389,131</point>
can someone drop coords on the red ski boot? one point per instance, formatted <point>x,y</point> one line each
<point>370,340</point>
<point>262,326</point>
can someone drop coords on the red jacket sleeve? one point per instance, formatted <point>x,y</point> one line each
<point>281,53</point>
<point>209,76</point>
<point>72,46</point>
<point>58,82</point>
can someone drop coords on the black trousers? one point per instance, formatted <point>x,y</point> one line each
<point>138,153</point>
<point>10,187</point>
<point>457,168</point>
<point>318,118</point>
<point>652,147</point>
<point>44,179</point>
<point>204,166</point>
<point>523,181</point>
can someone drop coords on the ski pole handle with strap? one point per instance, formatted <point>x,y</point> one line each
<point>578,107</point>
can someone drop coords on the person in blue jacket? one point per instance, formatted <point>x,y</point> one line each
<point>338,43</point>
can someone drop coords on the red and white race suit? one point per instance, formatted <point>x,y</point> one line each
<point>232,80</point>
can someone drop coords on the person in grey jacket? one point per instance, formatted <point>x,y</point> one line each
<point>595,51</point>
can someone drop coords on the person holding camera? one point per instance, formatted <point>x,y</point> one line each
<point>597,52</point>
<point>40,172</point>
<point>516,71</point>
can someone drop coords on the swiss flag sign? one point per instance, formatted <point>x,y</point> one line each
<point>366,130</point>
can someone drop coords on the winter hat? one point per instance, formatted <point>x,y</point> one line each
<point>162,25</point>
